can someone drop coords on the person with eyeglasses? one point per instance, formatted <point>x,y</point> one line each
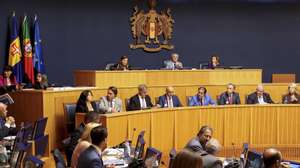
<point>230,96</point>
<point>201,98</point>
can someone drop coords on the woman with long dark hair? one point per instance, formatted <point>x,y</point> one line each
<point>85,102</point>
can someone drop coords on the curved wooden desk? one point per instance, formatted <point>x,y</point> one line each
<point>259,125</point>
<point>166,77</point>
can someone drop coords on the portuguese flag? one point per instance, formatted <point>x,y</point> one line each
<point>27,52</point>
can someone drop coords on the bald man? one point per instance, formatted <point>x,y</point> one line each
<point>169,100</point>
<point>209,158</point>
<point>259,96</point>
<point>272,158</point>
<point>7,124</point>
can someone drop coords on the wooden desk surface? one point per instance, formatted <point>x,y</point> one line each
<point>166,77</point>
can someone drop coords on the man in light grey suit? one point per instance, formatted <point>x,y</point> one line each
<point>198,143</point>
<point>173,63</point>
<point>110,103</point>
<point>209,158</point>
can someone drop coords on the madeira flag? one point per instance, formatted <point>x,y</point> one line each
<point>27,51</point>
<point>14,57</point>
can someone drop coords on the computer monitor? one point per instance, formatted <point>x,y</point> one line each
<point>154,156</point>
<point>139,148</point>
<point>18,155</point>
<point>39,128</point>
<point>32,162</point>
<point>254,160</point>
<point>41,145</point>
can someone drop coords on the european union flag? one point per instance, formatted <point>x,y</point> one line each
<point>38,59</point>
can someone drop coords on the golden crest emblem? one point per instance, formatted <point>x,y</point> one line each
<point>150,28</point>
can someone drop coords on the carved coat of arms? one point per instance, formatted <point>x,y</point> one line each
<point>151,30</point>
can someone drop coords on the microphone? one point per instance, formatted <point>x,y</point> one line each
<point>132,135</point>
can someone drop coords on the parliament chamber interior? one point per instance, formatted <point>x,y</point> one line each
<point>150,83</point>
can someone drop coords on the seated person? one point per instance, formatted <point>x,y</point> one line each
<point>7,124</point>
<point>85,102</point>
<point>187,159</point>
<point>272,158</point>
<point>209,156</point>
<point>230,96</point>
<point>83,143</point>
<point>259,97</point>
<point>169,99</point>
<point>141,100</point>
<point>214,62</point>
<point>91,117</point>
<point>173,63</point>
<point>41,82</point>
<point>292,97</point>
<point>198,143</point>
<point>201,98</point>
<point>122,65</point>
<point>7,79</point>
<point>110,103</point>
<point>92,157</point>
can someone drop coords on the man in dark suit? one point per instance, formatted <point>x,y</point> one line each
<point>272,158</point>
<point>209,156</point>
<point>141,100</point>
<point>91,157</point>
<point>7,124</point>
<point>230,96</point>
<point>169,100</point>
<point>259,96</point>
<point>198,143</point>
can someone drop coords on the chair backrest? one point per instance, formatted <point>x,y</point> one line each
<point>127,101</point>
<point>97,102</point>
<point>188,100</point>
<point>156,100</point>
<point>172,155</point>
<point>108,66</point>
<point>70,116</point>
<point>246,98</point>
<point>218,99</point>
<point>59,159</point>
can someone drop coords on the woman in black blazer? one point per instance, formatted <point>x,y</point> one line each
<point>85,102</point>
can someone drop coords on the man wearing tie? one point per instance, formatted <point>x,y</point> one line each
<point>173,63</point>
<point>259,96</point>
<point>110,103</point>
<point>230,96</point>
<point>169,100</point>
<point>141,100</point>
<point>201,98</point>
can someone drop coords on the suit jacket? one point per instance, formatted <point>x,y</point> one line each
<point>5,131</point>
<point>168,64</point>
<point>224,98</point>
<point>90,158</point>
<point>120,67</point>
<point>81,108</point>
<point>195,101</point>
<point>253,99</point>
<point>104,104</point>
<point>163,102</point>
<point>210,161</point>
<point>134,103</point>
<point>287,99</point>
<point>195,145</point>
